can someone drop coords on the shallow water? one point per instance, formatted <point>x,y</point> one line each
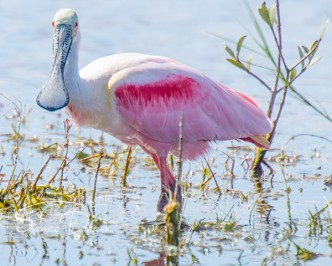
<point>184,31</point>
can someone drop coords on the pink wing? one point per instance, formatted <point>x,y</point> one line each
<point>151,97</point>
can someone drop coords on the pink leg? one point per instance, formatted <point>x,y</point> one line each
<point>168,183</point>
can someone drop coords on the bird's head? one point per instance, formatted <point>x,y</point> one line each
<point>54,94</point>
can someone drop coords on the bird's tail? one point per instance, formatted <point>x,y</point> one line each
<point>259,140</point>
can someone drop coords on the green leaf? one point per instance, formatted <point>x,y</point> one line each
<point>314,61</point>
<point>237,64</point>
<point>229,51</point>
<point>305,49</point>
<point>262,43</point>
<point>313,49</point>
<point>265,14</point>
<point>292,74</point>
<point>273,12</point>
<point>301,56</point>
<point>324,27</point>
<point>249,62</point>
<point>239,45</point>
<point>82,155</point>
<point>314,46</point>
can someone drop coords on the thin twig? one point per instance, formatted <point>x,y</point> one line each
<point>51,180</point>
<point>101,155</point>
<point>66,145</point>
<point>272,171</point>
<point>64,161</point>
<point>300,135</point>
<point>17,144</point>
<point>276,119</point>
<point>212,174</point>
<point>126,168</point>
<point>179,163</point>
<point>291,225</point>
<point>33,186</point>
<point>279,39</point>
<point>231,171</point>
<point>259,79</point>
<point>278,42</point>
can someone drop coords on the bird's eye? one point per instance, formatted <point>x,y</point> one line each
<point>53,24</point>
<point>75,25</point>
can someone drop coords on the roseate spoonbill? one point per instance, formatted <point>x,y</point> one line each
<point>140,98</point>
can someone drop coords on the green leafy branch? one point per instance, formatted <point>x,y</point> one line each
<point>284,75</point>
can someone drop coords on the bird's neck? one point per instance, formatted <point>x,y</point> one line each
<point>71,73</point>
<point>74,84</point>
<point>84,99</point>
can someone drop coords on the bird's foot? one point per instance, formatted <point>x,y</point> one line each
<point>167,195</point>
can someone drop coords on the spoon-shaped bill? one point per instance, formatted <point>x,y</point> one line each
<point>54,94</point>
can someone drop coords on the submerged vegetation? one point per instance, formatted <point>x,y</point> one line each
<point>63,199</point>
<point>246,218</point>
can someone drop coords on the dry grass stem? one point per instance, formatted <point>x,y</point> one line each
<point>101,156</point>
<point>126,168</point>
<point>33,186</point>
